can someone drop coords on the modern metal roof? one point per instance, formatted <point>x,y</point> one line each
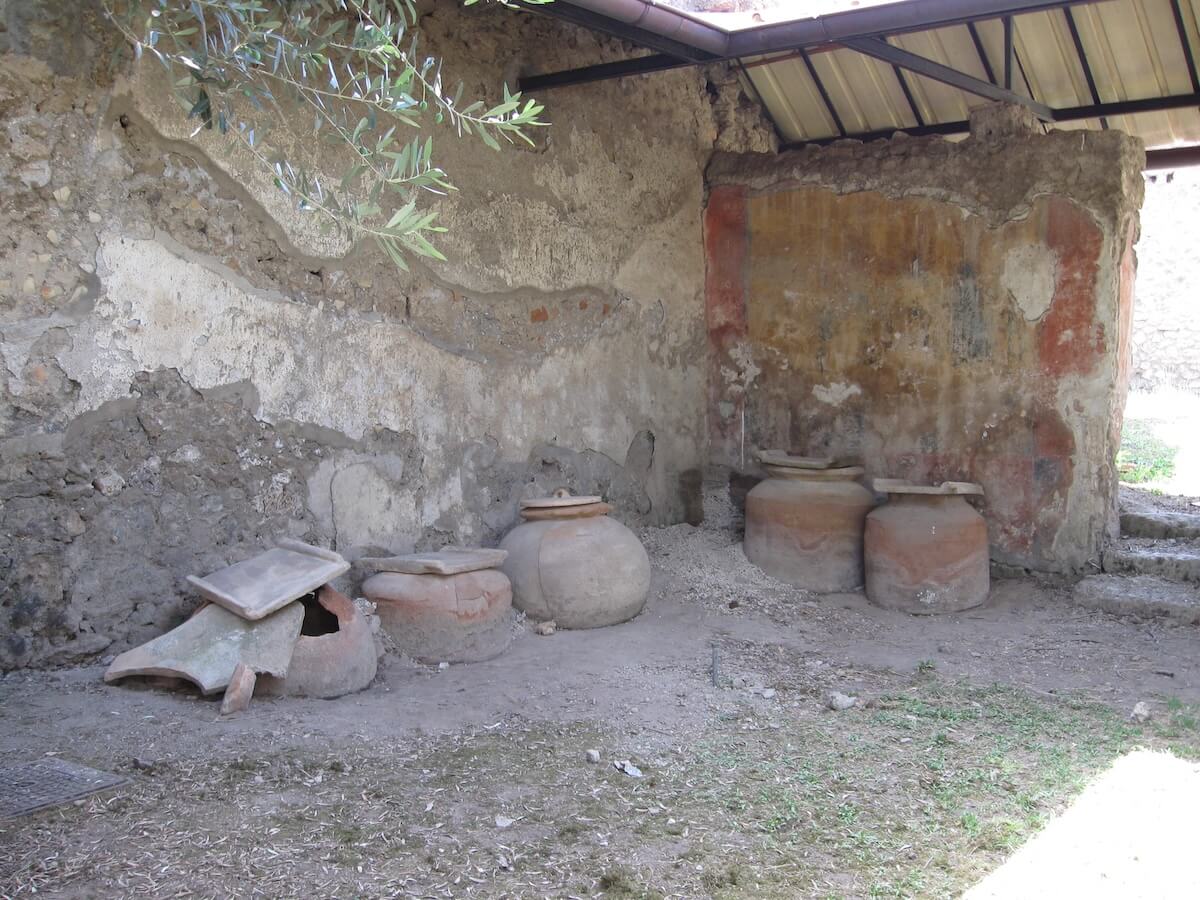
<point>922,65</point>
<point>1069,57</point>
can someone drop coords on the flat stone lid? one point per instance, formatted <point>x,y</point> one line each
<point>256,587</point>
<point>786,460</point>
<point>447,561</point>
<point>946,488</point>
<point>557,501</point>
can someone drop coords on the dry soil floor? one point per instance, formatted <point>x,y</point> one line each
<point>969,734</point>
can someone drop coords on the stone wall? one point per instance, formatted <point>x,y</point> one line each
<point>939,310</point>
<point>190,370</point>
<point>1166,328</point>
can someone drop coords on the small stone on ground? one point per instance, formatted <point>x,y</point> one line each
<point>839,702</point>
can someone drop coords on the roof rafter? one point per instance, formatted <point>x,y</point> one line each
<point>920,65</point>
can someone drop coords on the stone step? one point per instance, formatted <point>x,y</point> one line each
<point>1140,597</point>
<point>1145,524</point>
<point>1168,560</point>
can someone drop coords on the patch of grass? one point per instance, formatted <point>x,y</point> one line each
<point>622,881</point>
<point>1144,457</point>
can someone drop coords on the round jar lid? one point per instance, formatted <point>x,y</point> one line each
<point>788,461</point>
<point>945,489</point>
<point>559,499</point>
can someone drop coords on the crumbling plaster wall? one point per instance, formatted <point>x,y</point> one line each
<point>939,310</point>
<point>189,369</point>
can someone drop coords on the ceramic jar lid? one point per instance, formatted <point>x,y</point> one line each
<point>786,460</point>
<point>563,505</point>
<point>945,489</point>
<point>447,561</point>
<point>561,497</point>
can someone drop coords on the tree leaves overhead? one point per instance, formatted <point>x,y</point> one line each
<point>355,68</point>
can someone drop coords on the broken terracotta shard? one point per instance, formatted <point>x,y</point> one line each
<point>258,586</point>
<point>331,664</point>
<point>207,648</point>
<point>240,690</point>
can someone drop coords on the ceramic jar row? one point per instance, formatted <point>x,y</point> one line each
<point>816,526</point>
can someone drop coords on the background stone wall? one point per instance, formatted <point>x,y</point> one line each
<point>1166,326</point>
<point>190,370</point>
<point>941,311</point>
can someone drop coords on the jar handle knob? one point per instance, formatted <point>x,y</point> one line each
<point>562,492</point>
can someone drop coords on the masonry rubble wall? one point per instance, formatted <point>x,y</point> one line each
<point>190,370</point>
<point>939,310</point>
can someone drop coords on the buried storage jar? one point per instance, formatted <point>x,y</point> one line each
<point>804,523</point>
<point>926,548</point>
<point>571,563</point>
<point>454,605</point>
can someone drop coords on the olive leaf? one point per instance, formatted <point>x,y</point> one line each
<point>351,67</point>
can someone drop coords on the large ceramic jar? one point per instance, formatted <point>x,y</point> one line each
<point>571,563</point>
<point>804,523</point>
<point>454,605</point>
<point>926,548</point>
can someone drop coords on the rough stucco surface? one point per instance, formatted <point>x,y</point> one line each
<point>189,370</point>
<point>942,311</point>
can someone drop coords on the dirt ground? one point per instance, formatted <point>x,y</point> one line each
<point>970,731</point>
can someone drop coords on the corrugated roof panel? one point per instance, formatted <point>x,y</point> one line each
<point>950,47</point>
<point>855,85</point>
<point>792,99</point>
<point>1051,64</point>
<point>1132,48</point>
<point>1143,57</point>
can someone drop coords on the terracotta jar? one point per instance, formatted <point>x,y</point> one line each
<point>450,606</point>
<point>331,662</point>
<point>571,563</point>
<point>926,548</point>
<point>804,523</point>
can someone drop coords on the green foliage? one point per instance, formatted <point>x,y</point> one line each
<point>351,67</point>
<point>1143,456</point>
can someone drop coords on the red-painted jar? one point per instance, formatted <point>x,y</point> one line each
<point>926,549</point>
<point>804,523</point>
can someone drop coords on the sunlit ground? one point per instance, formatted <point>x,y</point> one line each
<point>1160,446</point>
<point>1131,833</point>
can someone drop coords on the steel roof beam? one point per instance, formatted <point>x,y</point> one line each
<point>920,65</point>
<point>1177,13</point>
<point>1067,114</point>
<point>877,21</point>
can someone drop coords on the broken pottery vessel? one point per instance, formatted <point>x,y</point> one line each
<point>339,659</point>
<point>804,523</point>
<point>926,548</point>
<point>571,563</point>
<point>207,648</point>
<point>449,606</point>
